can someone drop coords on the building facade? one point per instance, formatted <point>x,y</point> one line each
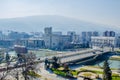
<point>55,41</point>
<point>109,33</point>
<point>32,43</point>
<point>118,40</point>
<point>6,43</point>
<point>103,41</point>
<point>86,37</point>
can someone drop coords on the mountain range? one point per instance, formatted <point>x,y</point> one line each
<point>59,23</point>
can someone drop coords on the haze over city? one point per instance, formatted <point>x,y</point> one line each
<point>59,39</point>
<point>97,11</point>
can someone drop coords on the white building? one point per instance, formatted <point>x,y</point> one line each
<point>55,41</point>
<point>118,40</point>
<point>103,41</point>
<point>32,43</point>
<point>57,33</point>
<point>74,37</point>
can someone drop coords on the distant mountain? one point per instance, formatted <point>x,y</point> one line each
<point>59,23</point>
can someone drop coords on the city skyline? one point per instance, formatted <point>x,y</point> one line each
<point>103,12</point>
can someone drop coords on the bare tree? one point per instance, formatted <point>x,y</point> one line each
<point>24,64</point>
<point>27,62</point>
<point>16,72</point>
<point>6,71</point>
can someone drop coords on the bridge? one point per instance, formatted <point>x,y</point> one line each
<point>70,57</point>
<point>73,58</point>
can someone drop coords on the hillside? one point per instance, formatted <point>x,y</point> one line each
<point>59,23</point>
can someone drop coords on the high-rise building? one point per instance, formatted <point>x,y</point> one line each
<point>72,34</point>
<point>109,33</point>
<point>83,36</point>
<point>112,34</point>
<point>1,33</point>
<point>48,30</point>
<point>48,37</point>
<point>86,36</point>
<point>57,33</point>
<point>105,33</point>
<point>118,40</point>
<point>32,43</point>
<point>54,41</point>
<point>95,33</point>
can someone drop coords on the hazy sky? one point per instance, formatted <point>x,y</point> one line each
<point>100,11</point>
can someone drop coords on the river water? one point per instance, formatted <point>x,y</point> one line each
<point>38,53</point>
<point>113,63</point>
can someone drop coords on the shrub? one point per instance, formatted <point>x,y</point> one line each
<point>33,74</point>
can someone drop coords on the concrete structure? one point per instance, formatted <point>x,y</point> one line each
<point>3,36</point>
<point>57,33</point>
<point>36,34</point>
<point>86,37</point>
<point>118,40</point>
<point>71,33</point>
<point>103,41</point>
<point>55,41</point>
<point>32,43</point>
<point>48,37</point>
<point>6,43</point>
<point>17,35</point>
<point>48,30</point>
<point>65,41</point>
<point>20,49</point>
<point>74,37</point>
<point>95,33</point>
<point>109,33</point>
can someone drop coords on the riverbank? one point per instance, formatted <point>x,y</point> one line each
<point>115,58</point>
<point>99,71</point>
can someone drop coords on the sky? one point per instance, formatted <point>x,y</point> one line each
<point>98,11</point>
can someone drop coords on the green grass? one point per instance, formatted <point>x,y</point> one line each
<point>115,58</point>
<point>74,72</point>
<point>33,74</point>
<point>94,71</point>
<point>65,74</point>
<point>118,51</point>
<point>115,78</point>
<point>87,74</point>
<point>98,72</point>
<point>115,75</point>
<point>59,72</point>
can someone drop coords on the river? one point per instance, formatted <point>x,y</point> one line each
<point>113,63</point>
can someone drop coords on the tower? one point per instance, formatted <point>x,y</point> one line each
<point>48,30</point>
<point>48,37</point>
